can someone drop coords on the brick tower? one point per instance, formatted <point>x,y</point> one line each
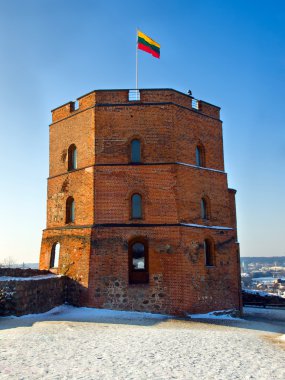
<point>139,213</point>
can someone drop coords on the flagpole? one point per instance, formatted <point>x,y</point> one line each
<point>137,59</point>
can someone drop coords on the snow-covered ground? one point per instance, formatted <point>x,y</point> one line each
<point>217,315</point>
<point>33,278</point>
<point>263,293</point>
<point>82,343</point>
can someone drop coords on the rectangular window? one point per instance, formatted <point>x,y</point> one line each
<point>134,95</point>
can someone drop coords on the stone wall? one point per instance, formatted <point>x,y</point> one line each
<point>19,272</point>
<point>179,282</point>
<point>258,299</point>
<point>29,295</point>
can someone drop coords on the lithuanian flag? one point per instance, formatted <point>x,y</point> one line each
<point>147,44</point>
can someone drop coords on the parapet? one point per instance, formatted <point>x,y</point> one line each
<point>142,96</point>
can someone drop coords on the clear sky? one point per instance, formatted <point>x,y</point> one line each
<point>228,52</point>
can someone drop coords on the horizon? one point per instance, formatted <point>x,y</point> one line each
<point>53,53</point>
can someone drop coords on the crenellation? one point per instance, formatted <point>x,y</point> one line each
<point>147,97</point>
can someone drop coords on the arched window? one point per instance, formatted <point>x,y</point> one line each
<point>209,253</point>
<point>135,151</point>
<point>138,261</point>
<point>136,204</point>
<point>54,257</point>
<point>72,157</point>
<point>204,209</point>
<point>70,209</point>
<point>200,156</point>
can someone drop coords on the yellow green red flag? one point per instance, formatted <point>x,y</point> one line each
<point>148,45</point>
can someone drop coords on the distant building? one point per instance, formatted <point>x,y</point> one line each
<point>139,213</point>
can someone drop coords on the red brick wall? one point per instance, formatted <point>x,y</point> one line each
<point>79,129</point>
<point>179,280</point>
<point>192,185</point>
<point>120,124</point>
<point>78,184</point>
<point>232,207</point>
<point>114,186</point>
<point>74,257</point>
<point>168,133</point>
<point>194,129</point>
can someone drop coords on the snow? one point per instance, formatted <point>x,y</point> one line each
<point>261,293</point>
<point>201,167</point>
<point>202,226</point>
<point>33,278</point>
<point>267,279</point>
<point>219,315</point>
<point>84,343</point>
<point>89,314</point>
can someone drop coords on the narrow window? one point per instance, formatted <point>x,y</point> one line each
<point>204,209</point>
<point>209,254</point>
<point>138,262</point>
<point>70,209</point>
<point>136,206</point>
<point>54,257</point>
<point>138,256</point>
<point>200,156</point>
<point>136,151</point>
<point>72,157</point>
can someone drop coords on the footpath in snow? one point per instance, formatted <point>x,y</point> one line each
<point>83,343</point>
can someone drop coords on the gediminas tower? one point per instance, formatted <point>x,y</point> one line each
<point>139,213</point>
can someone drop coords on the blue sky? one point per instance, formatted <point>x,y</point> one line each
<point>229,53</point>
